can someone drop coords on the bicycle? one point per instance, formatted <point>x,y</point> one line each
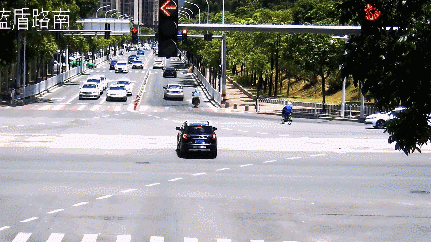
<point>288,119</point>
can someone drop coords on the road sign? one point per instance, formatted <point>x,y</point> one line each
<point>166,8</point>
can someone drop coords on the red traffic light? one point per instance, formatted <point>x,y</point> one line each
<point>184,31</point>
<point>371,13</point>
<point>134,30</point>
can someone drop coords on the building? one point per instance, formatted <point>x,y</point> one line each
<point>143,12</point>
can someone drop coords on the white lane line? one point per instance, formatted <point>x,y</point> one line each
<point>95,107</point>
<point>117,109</point>
<point>103,197</point>
<point>4,227</point>
<point>263,133</point>
<point>199,174</point>
<point>317,155</point>
<point>20,125</point>
<point>4,126</point>
<point>157,239</point>
<point>175,179</point>
<point>55,211</point>
<point>81,107</point>
<point>129,190</point>
<point>57,107</point>
<point>28,220</point>
<point>254,240</point>
<point>55,237</point>
<point>79,204</point>
<point>21,237</point>
<point>152,184</point>
<point>269,161</point>
<point>245,165</point>
<point>293,158</point>
<point>224,240</point>
<point>41,123</point>
<point>186,239</point>
<point>89,238</point>
<point>223,169</point>
<point>124,238</point>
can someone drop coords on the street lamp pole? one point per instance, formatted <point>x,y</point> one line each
<point>208,11</point>
<point>199,9</point>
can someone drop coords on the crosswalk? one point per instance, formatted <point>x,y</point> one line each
<point>58,237</point>
<point>116,108</point>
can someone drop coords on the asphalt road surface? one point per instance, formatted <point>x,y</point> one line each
<point>91,170</point>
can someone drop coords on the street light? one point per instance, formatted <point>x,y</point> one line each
<point>208,11</point>
<point>101,8</point>
<point>112,10</point>
<point>188,9</point>
<point>199,9</point>
<point>184,12</point>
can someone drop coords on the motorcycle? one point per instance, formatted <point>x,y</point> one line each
<point>288,119</point>
<point>196,101</point>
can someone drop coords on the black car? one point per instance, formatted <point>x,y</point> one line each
<point>112,65</point>
<point>132,58</point>
<point>170,71</point>
<point>196,136</point>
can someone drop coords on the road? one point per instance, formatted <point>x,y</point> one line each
<point>91,170</point>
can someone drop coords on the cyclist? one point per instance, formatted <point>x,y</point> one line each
<point>287,110</point>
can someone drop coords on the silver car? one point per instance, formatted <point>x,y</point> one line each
<point>173,91</point>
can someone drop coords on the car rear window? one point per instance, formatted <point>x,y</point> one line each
<point>116,88</point>
<point>200,130</point>
<point>89,86</point>
<point>174,87</point>
<point>93,80</point>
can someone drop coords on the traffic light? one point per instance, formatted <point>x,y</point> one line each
<point>208,37</point>
<point>107,33</point>
<point>168,27</point>
<point>184,35</point>
<point>371,20</point>
<point>134,35</point>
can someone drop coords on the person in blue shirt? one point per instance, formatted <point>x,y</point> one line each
<point>287,110</point>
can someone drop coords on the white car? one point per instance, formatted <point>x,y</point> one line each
<point>173,91</point>
<point>137,64</point>
<point>103,79</point>
<point>121,66</point>
<point>89,90</point>
<point>98,82</point>
<point>158,64</point>
<point>116,92</point>
<point>378,120</point>
<point>128,85</point>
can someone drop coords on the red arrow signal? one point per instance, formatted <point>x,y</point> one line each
<point>134,30</point>
<point>165,7</point>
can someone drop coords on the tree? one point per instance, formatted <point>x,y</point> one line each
<point>394,65</point>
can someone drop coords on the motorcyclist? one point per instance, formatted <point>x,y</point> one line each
<point>195,93</point>
<point>195,97</point>
<point>287,110</point>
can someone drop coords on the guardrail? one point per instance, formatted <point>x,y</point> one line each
<point>39,88</point>
<point>212,92</point>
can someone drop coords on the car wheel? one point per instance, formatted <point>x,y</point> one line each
<point>182,152</point>
<point>214,153</point>
<point>380,124</point>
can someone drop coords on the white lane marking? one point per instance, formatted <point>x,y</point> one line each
<point>157,239</point>
<point>21,237</point>
<point>269,161</point>
<point>199,174</point>
<point>4,227</point>
<point>317,155</point>
<point>41,123</point>
<point>103,197</point>
<point>55,237</point>
<point>57,107</point>
<point>95,107</point>
<point>117,109</point>
<point>20,125</point>
<point>224,240</point>
<point>223,169</point>
<point>293,158</point>
<point>81,107</point>
<point>254,240</point>
<point>79,204</point>
<point>28,220</point>
<point>245,165</point>
<point>4,126</point>
<point>124,238</point>
<point>152,184</point>
<point>73,98</point>
<point>129,190</point>
<point>263,133</point>
<point>175,179</point>
<point>55,211</point>
<point>89,238</point>
<point>186,239</point>
<point>283,135</point>
<point>46,107</point>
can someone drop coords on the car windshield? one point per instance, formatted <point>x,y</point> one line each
<point>174,87</point>
<point>121,64</point>
<point>123,82</point>
<point>117,88</point>
<point>137,62</point>
<point>200,130</point>
<point>93,80</point>
<point>89,86</point>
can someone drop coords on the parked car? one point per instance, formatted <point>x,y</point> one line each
<point>174,91</point>
<point>89,90</point>
<point>116,92</point>
<point>196,136</point>
<point>170,71</point>
<point>378,120</point>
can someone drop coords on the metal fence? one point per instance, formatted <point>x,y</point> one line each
<point>38,88</point>
<point>213,93</point>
